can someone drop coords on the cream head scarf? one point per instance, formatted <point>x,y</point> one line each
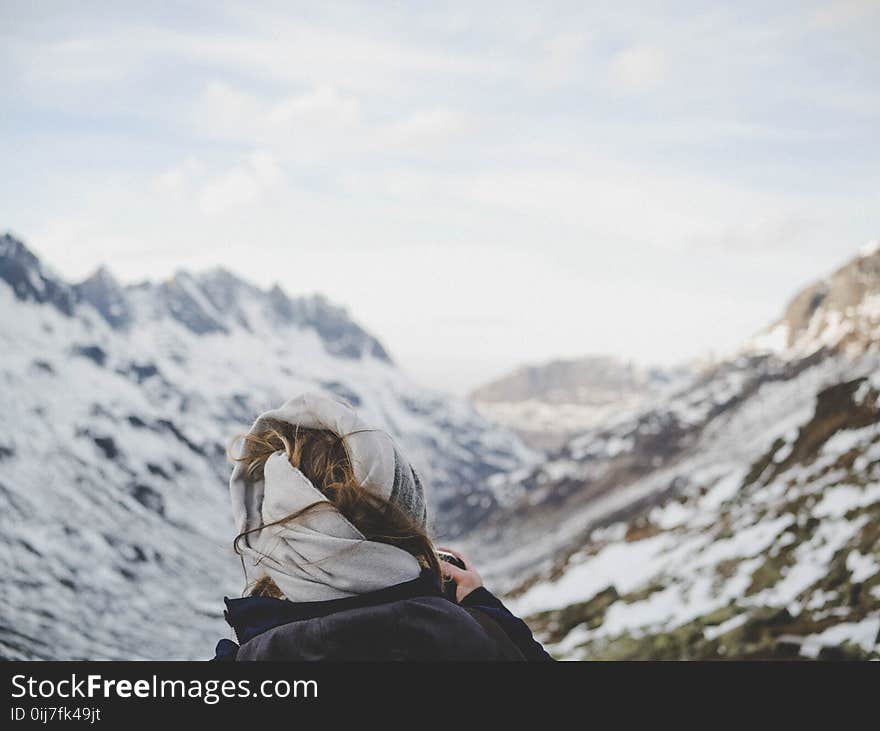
<point>321,555</point>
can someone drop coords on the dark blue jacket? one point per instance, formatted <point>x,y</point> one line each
<point>409,621</point>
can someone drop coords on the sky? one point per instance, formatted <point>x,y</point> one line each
<point>481,184</point>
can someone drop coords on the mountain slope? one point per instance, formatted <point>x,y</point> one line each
<point>116,408</point>
<point>737,516</point>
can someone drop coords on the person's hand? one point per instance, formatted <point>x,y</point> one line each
<point>466,579</point>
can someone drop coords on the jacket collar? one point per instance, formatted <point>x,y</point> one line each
<point>253,615</point>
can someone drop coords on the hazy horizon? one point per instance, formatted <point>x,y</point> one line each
<point>481,187</point>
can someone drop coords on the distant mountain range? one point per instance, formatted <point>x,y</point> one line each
<point>546,404</point>
<point>116,407</point>
<point>737,515</point>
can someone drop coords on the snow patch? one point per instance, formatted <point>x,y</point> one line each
<point>863,634</point>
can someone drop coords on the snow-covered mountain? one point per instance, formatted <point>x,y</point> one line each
<point>116,406</point>
<point>737,516</point>
<point>841,311</point>
<point>546,404</point>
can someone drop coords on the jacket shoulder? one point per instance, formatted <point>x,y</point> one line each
<point>421,628</point>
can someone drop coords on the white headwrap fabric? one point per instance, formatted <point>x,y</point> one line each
<point>321,555</point>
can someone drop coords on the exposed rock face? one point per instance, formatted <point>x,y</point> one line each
<point>107,296</point>
<point>840,311</point>
<point>29,279</point>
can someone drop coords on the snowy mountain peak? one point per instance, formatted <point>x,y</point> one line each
<point>839,312</point>
<point>341,334</point>
<point>215,301</point>
<point>106,295</point>
<point>185,300</point>
<point>22,270</point>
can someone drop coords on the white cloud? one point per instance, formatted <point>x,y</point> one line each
<point>226,112</point>
<point>242,185</point>
<point>323,105</point>
<point>638,68</point>
<point>176,181</point>
<point>216,191</point>
<point>563,56</point>
<point>425,127</point>
<point>312,54</point>
<point>322,124</point>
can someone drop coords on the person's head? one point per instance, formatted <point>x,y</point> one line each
<point>325,459</point>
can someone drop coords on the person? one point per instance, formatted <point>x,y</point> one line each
<point>332,534</point>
